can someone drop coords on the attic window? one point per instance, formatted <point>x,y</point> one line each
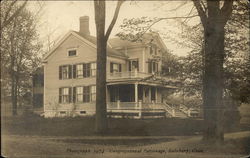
<point>71,53</point>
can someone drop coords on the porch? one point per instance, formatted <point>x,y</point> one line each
<point>135,100</point>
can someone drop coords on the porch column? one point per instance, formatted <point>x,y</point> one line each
<point>136,94</point>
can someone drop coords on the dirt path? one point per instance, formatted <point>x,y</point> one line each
<point>125,147</point>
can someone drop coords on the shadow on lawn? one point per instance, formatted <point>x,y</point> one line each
<point>118,141</point>
<point>84,126</point>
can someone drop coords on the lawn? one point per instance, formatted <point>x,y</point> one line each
<point>84,126</point>
<point>34,136</point>
<point>236,145</point>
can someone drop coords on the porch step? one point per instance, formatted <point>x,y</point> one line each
<point>180,114</point>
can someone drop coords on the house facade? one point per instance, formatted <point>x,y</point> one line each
<point>134,85</point>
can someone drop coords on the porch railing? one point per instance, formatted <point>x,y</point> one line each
<point>122,105</point>
<point>134,105</point>
<point>127,75</point>
<point>136,75</point>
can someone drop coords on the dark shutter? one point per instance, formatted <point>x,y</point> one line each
<point>74,71</point>
<point>120,67</point>
<point>60,72</point>
<point>88,93</point>
<point>88,69</point>
<point>111,67</point>
<point>153,63</point>
<point>84,70</point>
<point>74,94</point>
<point>137,65</point>
<point>70,71</point>
<point>70,94</point>
<point>156,65</point>
<point>129,65</point>
<point>60,95</point>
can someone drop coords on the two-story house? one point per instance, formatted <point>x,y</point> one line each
<point>134,87</point>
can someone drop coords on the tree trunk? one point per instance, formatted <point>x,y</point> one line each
<point>13,89</point>
<point>101,124</point>
<point>213,81</point>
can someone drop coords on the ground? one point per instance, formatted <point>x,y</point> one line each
<point>33,136</point>
<point>108,146</point>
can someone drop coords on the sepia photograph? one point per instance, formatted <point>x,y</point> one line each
<point>125,78</point>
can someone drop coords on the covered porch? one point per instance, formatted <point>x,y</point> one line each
<point>135,100</point>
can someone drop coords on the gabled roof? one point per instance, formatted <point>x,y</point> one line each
<point>88,39</point>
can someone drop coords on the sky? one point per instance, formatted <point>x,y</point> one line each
<point>58,17</point>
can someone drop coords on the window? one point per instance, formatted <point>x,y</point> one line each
<point>79,94</point>
<point>86,94</point>
<point>153,49</point>
<point>79,71</point>
<point>86,70</point>
<point>72,53</point>
<point>65,72</point>
<point>115,67</point>
<point>133,65</point>
<point>82,112</point>
<point>65,95</point>
<point>93,69</point>
<point>93,93</point>
<point>152,66</point>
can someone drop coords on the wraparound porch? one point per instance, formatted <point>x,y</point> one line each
<point>136,100</point>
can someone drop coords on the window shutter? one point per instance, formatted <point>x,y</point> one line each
<point>70,95</point>
<point>137,65</point>
<point>88,93</point>
<point>88,69</point>
<point>74,71</point>
<point>129,65</point>
<point>60,95</point>
<point>74,94</point>
<point>120,67</point>
<point>156,65</point>
<point>111,67</point>
<point>60,72</point>
<point>70,71</point>
<point>84,70</point>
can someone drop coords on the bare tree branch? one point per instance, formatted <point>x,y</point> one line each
<point>160,19</point>
<point>201,12</point>
<point>118,6</point>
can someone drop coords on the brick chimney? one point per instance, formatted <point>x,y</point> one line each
<point>84,25</point>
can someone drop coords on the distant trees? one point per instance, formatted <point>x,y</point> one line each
<point>102,38</point>
<point>19,50</point>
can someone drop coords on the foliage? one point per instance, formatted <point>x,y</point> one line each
<point>20,58</point>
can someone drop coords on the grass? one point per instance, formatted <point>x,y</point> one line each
<point>30,136</point>
<point>84,126</point>
<point>235,145</point>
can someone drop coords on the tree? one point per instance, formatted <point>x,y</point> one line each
<point>18,42</point>
<point>10,10</point>
<point>102,38</point>
<point>213,18</point>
